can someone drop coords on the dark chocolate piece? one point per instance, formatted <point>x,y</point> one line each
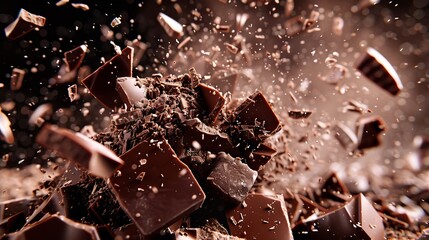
<point>74,57</point>
<point>102,82</point>
<point>356,106</point>
<point>90,154</point>
<point>15,206</point>
<point>12,223</point>
<point>130,91</point>
<point>260,156</point>
<point>24,23</point>
<point>298,114</point>
<point>231,178</point>
<point>6,133</point>
<point>335,189</point>
<point>260,217</point>
<point>55,227</point>
<point>154,187</point>
<point>356,220</point>
<point>256,110</point>
<point>345,136</point>
<point>171,26</point>
<point>367,131</point>
<point>72,91</point>
<point>16,79</point>
<point>375,67</point>
<point>213,101</point>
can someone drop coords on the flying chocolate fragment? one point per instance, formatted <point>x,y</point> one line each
<point>74,58</point>
<point>335,189</point>
<point>102,82</point>
<point>367,131</point>
<point>231,178</point>
<point>260,156</point>
<point>16,79</point>
<point>90,154</point>
<point>171,26</point>
<point>24,23</point>
<point>356,220</point>
<point>167,192</point>
<point>260,217</point>
<point>6,133</point>
<point>377,69</point>
<point>345,136</point>
<point>299,114</point>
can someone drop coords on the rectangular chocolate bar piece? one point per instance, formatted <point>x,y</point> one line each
<point>24,23</point>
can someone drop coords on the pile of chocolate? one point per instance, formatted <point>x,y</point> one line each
<point>182,159</point>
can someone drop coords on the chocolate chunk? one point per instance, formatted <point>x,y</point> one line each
<point>260,217</point>
<point>102,82</point>
<point>376,68</point>
<point>231,178</point>
<point>208,138</point>
<point>335,189</point>
<point>213,101</point>
<point>367,131</point>
<point>139,50</point>
<point>167,192</point>
<point>260,156</point>
<point>15,206</point>
<point>74,57</point>
<point>130,91</point>
<point>256,110</point>
<point>345,136</point>
<point>298,114</point>
<point>90,154</point>
<point>56,227</point>
<point>16,79</point>
<point>202,234</point>
<point>357,220</point>
<point>171,26</point>
<point>24,23</point>
<point>6,133</point>
<point>72,91</point>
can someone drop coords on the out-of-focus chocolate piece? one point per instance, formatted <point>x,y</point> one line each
<point>102,82</point>
<point>12,223</point>
<point>6,133</point>
<point>418,159</point>
<point>289,6</point>
<point>139,50</point>
<point>367,131</point>
<point>337,25</point>
<point>90,154</point>
<point>208,138</point>
<point>224,81</point>
<point>184,42</point>
<point>171,26</point>
<point>231,178</point>
<point>15,206</point>
<point>356,106</point>
<point>294,206</point>
<point>345,136</point>
<point>309,207</point>
<point>82,6</point>
<point>16,79</point>
<point>424,234</point>
<point>24,23</point>
<point>43,111</point>
<point>115,22</point>
<point>73,94</point>
<point>241,20</point>
<point>154,187</point>
<point>213,101</point>
<point>362,4</point>
<point>357,220</point>
<point>130,91</point>
<point>202,234</point>
<point>260,217</point>
<point>298,114</point>
<point>335,75</point>
<point>260,156</point>
<point>56,227</point>
<point>335,189</point>
<point>376,68</point>
<point>256,109</point>
<point>61,3</point>
<point>311,20</point>
<point>294,25</point>
<point>74,58</point>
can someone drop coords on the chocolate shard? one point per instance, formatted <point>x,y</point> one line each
<point>24,23</point>
<point>376,68</point>
<point>213,101</point>
<point>231,178</point>
<point>16,79</point>
<point>102,82</point>
<point>356,220</point>
<point>6,133</point>
<point>73,94</point>
<point>260,156</point>
<point>171,26</point>
<point>154,187</point>
<point>208,138</point>
<point>74,58</point>
<point>309,207</point>
<point>260,217</point>
<point>367,131</point>
<point>130,91</point>
<point>56,227</point>
<point>334,188</point>
<point>256,110</point>
<point>345,136</point>
<point>75,147</point>
<point>299,114</point>
<point>202,234</point>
